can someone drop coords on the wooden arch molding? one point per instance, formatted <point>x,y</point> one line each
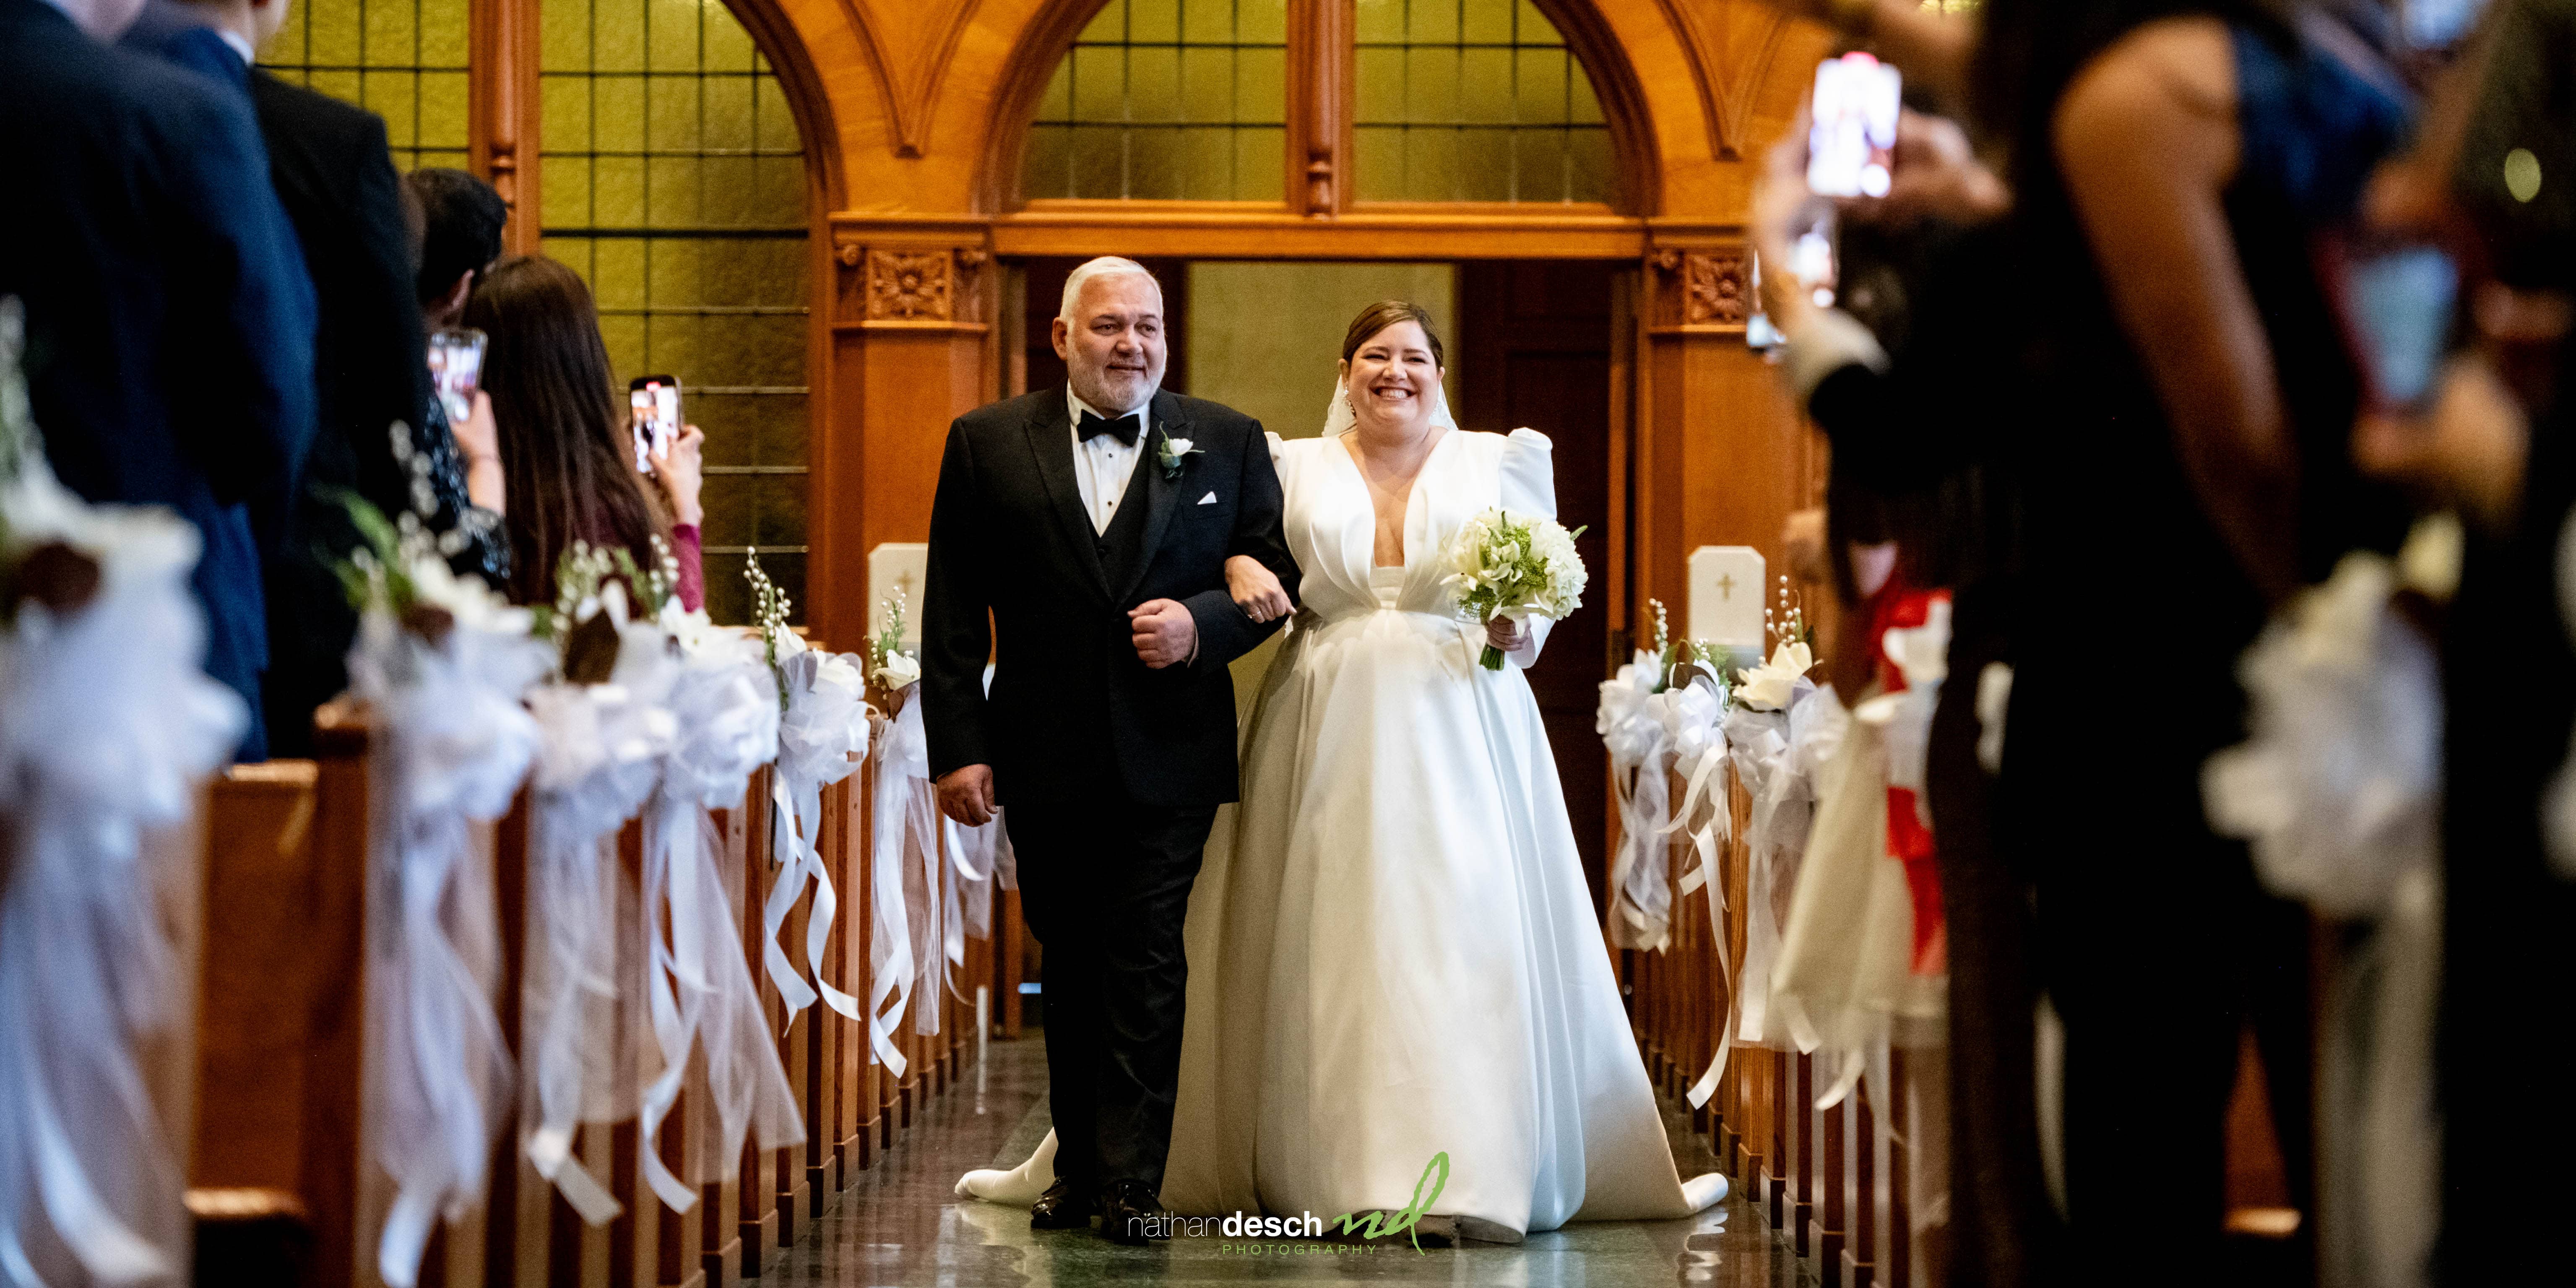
<point>1050,35</point>
<point>808,102</point>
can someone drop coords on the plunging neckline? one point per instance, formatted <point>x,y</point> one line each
<point>1412,494</point>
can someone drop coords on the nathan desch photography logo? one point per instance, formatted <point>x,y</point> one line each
<point>1306,1233</point>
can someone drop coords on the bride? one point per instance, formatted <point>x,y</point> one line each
<point>1393,950</point>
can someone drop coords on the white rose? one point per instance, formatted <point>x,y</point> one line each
<point>1177,446</point>
<point>898,670</point>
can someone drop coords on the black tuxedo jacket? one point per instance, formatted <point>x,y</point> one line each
<point>332,171</point>
<point>1073,713</point>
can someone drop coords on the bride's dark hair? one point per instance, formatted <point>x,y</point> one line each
<point>1386,313</point>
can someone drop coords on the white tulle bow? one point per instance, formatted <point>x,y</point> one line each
<point>699,992</point>
<point>1632,727</point>
<point>106,727</point>
<point>600,755</point>
<point>822,739</point>
<point>454,745</point>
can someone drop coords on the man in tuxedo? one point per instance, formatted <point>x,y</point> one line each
<point>1093,524</point>
<point>169,320</point>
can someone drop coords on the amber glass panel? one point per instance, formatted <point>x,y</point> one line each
<point>1472,100</point>
<point>674,182</point>
<point>1164,100</point>
<point>402,59</point>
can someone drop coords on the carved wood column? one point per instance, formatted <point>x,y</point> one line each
<point>1319,143</point>
<point>910,310</point>
<point>1724,456</point>
<point>501,110</point>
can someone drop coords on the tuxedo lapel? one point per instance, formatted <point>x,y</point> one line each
<point>1161,493</point>
<point>1050,431</point>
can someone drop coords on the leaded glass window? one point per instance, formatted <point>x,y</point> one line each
<point>402,59</point>
<point>674,182</point>
<point>1167,99</point>
<point>1472,100</point>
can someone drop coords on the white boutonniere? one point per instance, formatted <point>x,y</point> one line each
<point>1171,451</point>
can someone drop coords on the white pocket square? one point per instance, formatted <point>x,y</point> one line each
<point>1209,499</point>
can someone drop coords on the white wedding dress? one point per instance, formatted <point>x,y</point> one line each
<point>1392,950</point>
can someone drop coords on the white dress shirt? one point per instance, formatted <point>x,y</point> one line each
<point>1102,465</point>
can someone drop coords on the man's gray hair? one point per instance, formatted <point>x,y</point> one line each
<point>1105,266</point>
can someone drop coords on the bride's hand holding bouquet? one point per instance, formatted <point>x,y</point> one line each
<point>1506,568</point>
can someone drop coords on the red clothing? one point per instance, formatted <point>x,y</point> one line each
<point>690,554</point>
<point>1909,841</point>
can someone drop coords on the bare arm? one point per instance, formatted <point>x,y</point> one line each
<point>2146,139</point>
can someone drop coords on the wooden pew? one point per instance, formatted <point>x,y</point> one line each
<point>280,1170</point>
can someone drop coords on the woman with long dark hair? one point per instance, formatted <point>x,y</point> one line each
<point>563,431</point>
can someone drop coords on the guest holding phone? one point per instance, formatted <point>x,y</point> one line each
<point>563,428</point>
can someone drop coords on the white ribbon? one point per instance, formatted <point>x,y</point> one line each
<point>1640,746</point>
<point>455,744</point>
<point>903,818</point>
<point>826,725</point>
<point>600,757</point>
<point>106,727</point>
<point>696,985</point>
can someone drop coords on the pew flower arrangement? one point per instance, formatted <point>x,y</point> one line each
<point>894,668</point>
<point>442,662</point>
<point>823,732</point>
<point>606,726</point>
<point>107,727</point>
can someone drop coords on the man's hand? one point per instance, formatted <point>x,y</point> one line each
<point>1165,632</point>
<point>1255,589</point>
<point>966,794</point>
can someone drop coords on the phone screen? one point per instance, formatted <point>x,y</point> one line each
<point>455,369</point>
<point>655,401</point>
<point>1851,144</point>
<point>2398,306</point>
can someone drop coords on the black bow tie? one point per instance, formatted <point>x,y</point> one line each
<point>1124,428</point>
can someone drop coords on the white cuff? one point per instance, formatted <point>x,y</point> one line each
<point>1826,341</point>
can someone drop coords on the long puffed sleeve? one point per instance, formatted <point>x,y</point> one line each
<point>1529,487</point>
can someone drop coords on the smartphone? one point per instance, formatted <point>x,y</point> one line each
<point>656,404</point>
<point>455,369</point>
<point>2398,306</point>
<point>1851,143</point>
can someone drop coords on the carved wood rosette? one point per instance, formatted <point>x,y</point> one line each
<point>1702,289</point>
<point>910,284</point>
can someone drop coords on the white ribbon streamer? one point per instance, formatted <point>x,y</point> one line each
<point>106,727</point>
<point>600,757</point>
<point>697,986</point>
<point>1640,746</point>
<point>455,744</point>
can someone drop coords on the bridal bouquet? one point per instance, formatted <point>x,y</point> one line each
<point>1516,567</point>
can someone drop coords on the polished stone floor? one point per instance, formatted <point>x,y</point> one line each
<point>899,1225</point>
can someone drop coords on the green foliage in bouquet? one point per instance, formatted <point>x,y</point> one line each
<point>1502,564</point>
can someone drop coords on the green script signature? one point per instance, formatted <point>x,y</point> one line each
<point>1380,1225</point>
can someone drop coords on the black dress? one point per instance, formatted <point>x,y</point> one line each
<point>2154,941</point>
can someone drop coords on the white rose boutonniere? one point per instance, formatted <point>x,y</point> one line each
<point>1170,451</point>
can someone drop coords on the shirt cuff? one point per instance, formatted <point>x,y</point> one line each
<point>1827,341</point>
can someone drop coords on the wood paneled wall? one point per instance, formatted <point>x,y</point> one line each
<point>914,113</point>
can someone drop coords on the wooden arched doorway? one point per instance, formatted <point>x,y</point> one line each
<point>932,105</point>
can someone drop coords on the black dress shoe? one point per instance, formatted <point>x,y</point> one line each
<point>1131,1213</point>
<point>1066,1205</point>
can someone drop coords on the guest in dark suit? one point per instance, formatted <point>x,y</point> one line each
<point>331,169</point>
<point>1110,730</point>
<point>170,324</point>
